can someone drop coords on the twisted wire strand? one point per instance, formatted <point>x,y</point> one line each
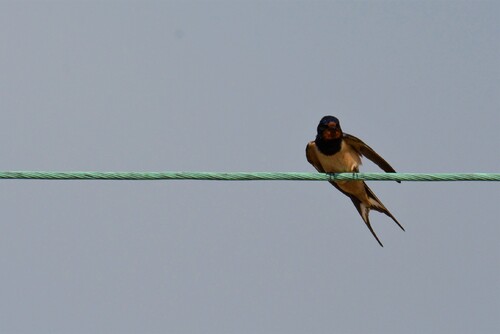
<point>248,176</point>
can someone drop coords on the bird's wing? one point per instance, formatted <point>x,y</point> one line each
<point>368,152</point>
<point>312,157</point>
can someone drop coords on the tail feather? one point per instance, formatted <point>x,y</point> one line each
<point>364,210</point>
<point>377,205</point>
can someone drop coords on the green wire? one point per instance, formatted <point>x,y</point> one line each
<point>244,176</point>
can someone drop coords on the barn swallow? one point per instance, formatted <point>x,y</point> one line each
<point>334,151</point>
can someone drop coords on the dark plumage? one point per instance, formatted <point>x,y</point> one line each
<point>334,151</point>
<point>327,147</point>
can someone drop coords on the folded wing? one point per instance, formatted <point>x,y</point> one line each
<point>368,152</point>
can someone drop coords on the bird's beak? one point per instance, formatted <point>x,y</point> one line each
<point>332,132</point>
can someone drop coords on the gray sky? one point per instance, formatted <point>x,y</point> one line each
<point>241,86</point>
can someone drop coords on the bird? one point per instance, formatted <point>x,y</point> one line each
<point>334,151</point>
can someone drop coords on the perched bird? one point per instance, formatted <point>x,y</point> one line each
<point>334,151</point>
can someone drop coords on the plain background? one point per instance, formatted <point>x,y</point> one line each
<point>241,86</point>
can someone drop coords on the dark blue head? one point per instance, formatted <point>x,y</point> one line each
<point>329,128</point>
<point>329,136</point>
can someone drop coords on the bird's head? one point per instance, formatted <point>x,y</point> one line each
<point>329,129</point>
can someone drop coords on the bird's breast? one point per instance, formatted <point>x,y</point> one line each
<point>344,161</point>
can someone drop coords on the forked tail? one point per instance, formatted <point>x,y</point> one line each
<point>376,205</point>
